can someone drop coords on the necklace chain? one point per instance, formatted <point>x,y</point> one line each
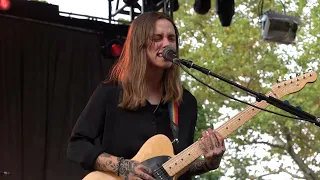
<point>157,106</point>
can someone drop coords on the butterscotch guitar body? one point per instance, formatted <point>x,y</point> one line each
<point>154,152</point>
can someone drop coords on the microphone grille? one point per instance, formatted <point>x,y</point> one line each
<point>169,53</point>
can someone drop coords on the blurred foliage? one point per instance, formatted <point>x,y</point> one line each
<point>239,54</point>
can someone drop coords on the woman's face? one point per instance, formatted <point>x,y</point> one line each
<point>164,35</point>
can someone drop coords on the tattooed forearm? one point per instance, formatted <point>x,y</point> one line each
<point>198,167</point>
<point>127,167</point>
<point>107,162</point>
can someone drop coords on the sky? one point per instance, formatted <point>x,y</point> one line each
<point>99,8</point>
<point>96,8</point>
<point>93,8</point>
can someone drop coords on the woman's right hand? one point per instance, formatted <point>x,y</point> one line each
<point>133,170</point>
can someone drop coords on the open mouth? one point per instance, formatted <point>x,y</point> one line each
<point>159,54</point>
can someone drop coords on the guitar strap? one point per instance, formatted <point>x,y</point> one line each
<point>174,120</point>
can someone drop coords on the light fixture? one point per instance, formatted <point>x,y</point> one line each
<point>202,6</point>
<point>4,4</point>
<point>113,48</point>
<point>225,11</point>
<point>279,28</point>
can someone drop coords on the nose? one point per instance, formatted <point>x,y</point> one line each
<point>165,42</point>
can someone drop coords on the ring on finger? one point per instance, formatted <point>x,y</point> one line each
<point>207,133</point>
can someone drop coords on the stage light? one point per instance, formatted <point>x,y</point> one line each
<point>116,50</point>
<point>202,6</point>
<point>156,5</point>
<point>112,49</point>
<point>4,4</point>
<point>175,5</point>
<point>225,11</point>
<point>280,28</point>
<point>224,8</point>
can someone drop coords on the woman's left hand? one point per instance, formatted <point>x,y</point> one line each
<point>212,145</point>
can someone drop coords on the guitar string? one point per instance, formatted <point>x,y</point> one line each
<point>193,149</point>
<point>239,116</point>
<point>162,172</point>
<point>230,124</point>
<point>189,149</point>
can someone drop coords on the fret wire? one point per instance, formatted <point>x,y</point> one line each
<point>225,130</point>
<point>233,124</point>
<point>193,150</point>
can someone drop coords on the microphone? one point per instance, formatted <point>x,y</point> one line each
<point>169,54</point>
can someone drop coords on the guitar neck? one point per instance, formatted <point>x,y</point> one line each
<point>193,152</point>
<point>240,119</point>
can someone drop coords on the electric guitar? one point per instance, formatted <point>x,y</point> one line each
<point>157,152</point>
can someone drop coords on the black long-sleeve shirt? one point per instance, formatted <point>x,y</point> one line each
<point>122,132</point>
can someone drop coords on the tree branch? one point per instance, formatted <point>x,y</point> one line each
<point>308,173</point>
<point>261,176</point>
<point>291,174</point>
<point>266,143</point>
<point>279,171</point>
<point>314,158</point>
<point>302,139</point>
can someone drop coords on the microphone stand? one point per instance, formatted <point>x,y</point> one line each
<point>259,96</point>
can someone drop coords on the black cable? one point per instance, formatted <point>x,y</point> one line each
<point>284,7</point>
<point>184,69</point>
<point>261,9</point>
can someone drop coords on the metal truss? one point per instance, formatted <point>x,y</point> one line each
<point>141,7</point>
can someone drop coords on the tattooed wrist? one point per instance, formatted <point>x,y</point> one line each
<point>126,167</point>
<point>213,163</point>
<point>107,162</point>
<point>119,164</point>
<point>198,167</point>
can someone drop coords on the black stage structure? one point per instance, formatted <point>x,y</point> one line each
<point>49,67</point>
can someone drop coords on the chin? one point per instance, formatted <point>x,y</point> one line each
<point>166,65</point>
<point>159,63</point>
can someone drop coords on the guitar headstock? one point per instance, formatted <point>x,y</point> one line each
<point>293,85</point>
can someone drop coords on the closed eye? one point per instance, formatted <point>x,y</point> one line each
<point>171,38</point>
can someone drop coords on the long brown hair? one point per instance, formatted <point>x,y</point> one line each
<point>130,69</point>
